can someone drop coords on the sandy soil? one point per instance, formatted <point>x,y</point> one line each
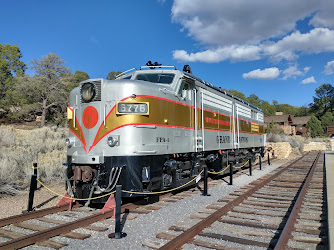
<point>13,205</point>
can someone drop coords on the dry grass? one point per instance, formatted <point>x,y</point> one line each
<point>20,148</point>
<point>297,142</point>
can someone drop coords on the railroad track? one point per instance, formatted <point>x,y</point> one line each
<point>41,235</point>
<point>285,209</point>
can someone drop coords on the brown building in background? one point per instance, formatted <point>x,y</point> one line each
<point>290,124</point>
<point>330,130</point>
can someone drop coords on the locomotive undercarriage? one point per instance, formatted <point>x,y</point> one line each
<point>148,173</point>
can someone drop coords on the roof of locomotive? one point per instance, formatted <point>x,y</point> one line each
<point>165,69</point>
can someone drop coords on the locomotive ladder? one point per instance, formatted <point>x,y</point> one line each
<point>199,139</point>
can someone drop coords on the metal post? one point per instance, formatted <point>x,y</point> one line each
<point>33,187</point>
<point>231,170</point>
<point>260,162</point>
<point>205,192</point>
<point>118,233</point>
<point>268,159</point>
<point>173,177</point>
<point>250,166</point>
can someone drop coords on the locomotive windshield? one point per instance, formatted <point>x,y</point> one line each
<point>156,77</point>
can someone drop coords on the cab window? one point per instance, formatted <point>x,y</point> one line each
<point>156,77</point>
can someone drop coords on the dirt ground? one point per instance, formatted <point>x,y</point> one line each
<point>13,205</point>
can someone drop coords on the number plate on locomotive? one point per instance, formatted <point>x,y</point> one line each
<point>141,108</point>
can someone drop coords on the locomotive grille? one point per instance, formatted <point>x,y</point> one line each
<point>98,91</point>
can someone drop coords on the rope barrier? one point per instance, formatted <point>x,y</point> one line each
<point>75,199</point>
<point>242,165</point>
<point>219,171</point>
<point>165,191</point>
<point>124,191</point>
<point>227,168</point>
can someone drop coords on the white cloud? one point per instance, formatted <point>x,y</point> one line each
<point>265,74</point>
<point>324,17</point>
<point>233,53</point>
<point>240,21</point>
<point>306,69</point>
<point>243,30</point>
<point>293,72</point>
<point>316,41</point>
<point>329,68</point>
<point>309,80</point>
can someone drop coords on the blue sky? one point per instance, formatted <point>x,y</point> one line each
<point>279,50</point>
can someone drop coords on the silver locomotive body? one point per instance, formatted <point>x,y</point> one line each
<point>154,129</point>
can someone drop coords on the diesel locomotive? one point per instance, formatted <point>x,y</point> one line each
<point>154,129</point>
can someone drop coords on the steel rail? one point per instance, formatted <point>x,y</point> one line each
<point>289,226</point>
<point>54,231</point>
<point>33,214</point>
<point>189,234</point>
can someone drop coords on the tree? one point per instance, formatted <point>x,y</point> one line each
<point>79,76</point>
<point>255,100</point>
<point>10,66</point>
<point>327,120</point>
<point>267,108</point>
<point>302,111</point>
<point>112,74</point>
<point>314,127</point>
<point>46,89</point>
<point>323,101</point>
<point>286,109</point>
<point>275,102</point>
<point>236,93</point>
<point>274,128</point>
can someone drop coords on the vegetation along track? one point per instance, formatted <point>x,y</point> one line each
<point>283,209</point>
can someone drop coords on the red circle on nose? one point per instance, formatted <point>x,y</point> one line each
<point>90,117</point>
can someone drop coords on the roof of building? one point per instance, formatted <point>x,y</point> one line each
<point>283,118</point>
<point>300,120</point>
<point>277,118</point>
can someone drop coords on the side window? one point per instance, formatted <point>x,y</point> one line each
<point>184,90</point>
<point>254,115</point>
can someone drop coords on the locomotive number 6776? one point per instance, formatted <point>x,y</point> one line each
<point>154,129</point>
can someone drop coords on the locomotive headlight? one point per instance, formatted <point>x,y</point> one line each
<point>88,91</point>
<point>113,141</point>
<point>69,142</point>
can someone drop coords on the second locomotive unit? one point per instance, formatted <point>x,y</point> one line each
<point>153,129</point>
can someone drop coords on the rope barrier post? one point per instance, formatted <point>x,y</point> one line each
<point>173,177</point>
<point>250,166</point>
<point>268,160</point>
<point>205,192</point>
<point>118,232</point>
<point>231,170</point>
<point>260,162</point>
<point>33,187</point>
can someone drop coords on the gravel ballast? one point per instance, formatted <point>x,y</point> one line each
<point>146,226</point>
